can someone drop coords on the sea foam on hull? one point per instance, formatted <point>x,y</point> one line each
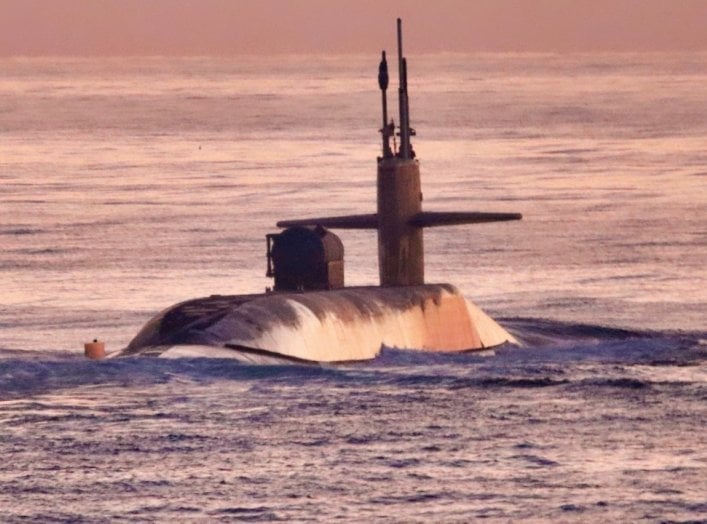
<point>323,326</point>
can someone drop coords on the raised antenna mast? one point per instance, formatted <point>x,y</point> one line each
<point>405,147</point>
<point>383,84</point>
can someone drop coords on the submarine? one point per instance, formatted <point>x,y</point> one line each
<point>309,315</point>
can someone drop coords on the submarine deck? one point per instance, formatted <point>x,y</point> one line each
<point>331,325</point>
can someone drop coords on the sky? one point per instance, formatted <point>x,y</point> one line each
<point>237,27</point>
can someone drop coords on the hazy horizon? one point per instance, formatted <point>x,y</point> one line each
<point>270,27</point>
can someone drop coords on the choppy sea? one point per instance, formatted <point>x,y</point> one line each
<point>129,184</point>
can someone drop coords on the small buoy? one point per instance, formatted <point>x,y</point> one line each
<point>94,350</point>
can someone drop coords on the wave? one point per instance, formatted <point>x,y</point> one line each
<point>551,340</point>
<point>20,231</point>
<point>554,354</point>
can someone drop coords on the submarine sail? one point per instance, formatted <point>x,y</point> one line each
<point>399,219</point>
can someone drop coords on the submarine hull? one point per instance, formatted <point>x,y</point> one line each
<point>343,325</point>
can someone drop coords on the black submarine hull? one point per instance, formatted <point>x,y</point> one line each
<point>343,325</point>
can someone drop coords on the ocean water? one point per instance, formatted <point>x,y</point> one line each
<point>127,185</point>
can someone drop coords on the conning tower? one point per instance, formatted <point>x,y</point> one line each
<point>399,219</point>
<point>400,247</point>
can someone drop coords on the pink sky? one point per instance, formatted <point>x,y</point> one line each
<point>232,27</point>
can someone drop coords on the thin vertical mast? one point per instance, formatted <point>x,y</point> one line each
<point>383,84</point>
<point>403,98</point>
